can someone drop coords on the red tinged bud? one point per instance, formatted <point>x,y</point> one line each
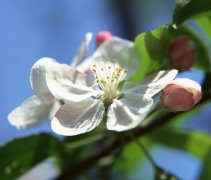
<point>181,94</point>
<point>182,53</point>
<point>102,36</point>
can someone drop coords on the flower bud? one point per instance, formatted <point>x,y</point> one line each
<point>102,36</point>
<point>182,53</point>
<point>181,94</point>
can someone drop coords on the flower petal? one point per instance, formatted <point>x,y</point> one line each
<point>78,118</point>
<point>115,49</point>
<point>82,52</point>
<point>38,80</point>
<point>55,107</point>
<point>30,113</point>
<point>152,84</point>
<point>69,84</point>
<point>128,112</point>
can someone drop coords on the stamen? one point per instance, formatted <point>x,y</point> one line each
<point>108,78</point>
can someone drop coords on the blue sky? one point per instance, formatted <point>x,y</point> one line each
<point>33,29</point>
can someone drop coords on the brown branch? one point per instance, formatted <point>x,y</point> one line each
<point>77,169</point>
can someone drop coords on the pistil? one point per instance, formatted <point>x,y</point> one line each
<point>108,78</point>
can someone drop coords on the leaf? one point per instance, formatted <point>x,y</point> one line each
<point>181,118</point>
<point>185,9</point>
<point>20,155</point>
<point>205,22</point>
<point>205,172</point>
<point>161,174</point>
<point>152,48</point>
<point>189,141</point>
<point>203,60</point>
<point>131,156</point>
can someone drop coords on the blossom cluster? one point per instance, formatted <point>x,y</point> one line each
<point>78,97</point>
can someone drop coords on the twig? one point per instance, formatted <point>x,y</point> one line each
<point>85,165</point>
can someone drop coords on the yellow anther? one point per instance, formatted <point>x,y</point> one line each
<point>103,81</point>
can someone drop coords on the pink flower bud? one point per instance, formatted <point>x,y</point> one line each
<point>182,53</point>
<point>181,94</point>
<point>102,36</point>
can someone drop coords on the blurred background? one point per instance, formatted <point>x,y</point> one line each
<point>33,29</point>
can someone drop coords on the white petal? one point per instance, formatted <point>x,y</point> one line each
<point>77,118</point>
<point>152,84</point>
<point>30,113</point>
<point>116,49</point>
<point>55,107</point>
<point>82,52</point>
<point>86,65</point>
<point>38,80</point>
<point>68,84</point>
<point>128,112</point>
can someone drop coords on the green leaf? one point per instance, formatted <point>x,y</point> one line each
<point>131,156</point>
<point>205,172</point>
<point>179,120</point>
<point>152,48</point>
<point>204,22</point>
<point>185,9</point>
<point>20,155</point>
<point>161,174</point>
<point>189,141</point>
<point>203,60</point>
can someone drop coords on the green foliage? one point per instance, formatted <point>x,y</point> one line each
<point>205,173</point>
<point>186,9</point>
<point>20,155</point>
<point>204,22</point>
<point>160,174</point>
<point>78,148</point>
<point>203,60</point>
<point>152,48</point>
<point>179,120</point>
<point>186,140</point>
<point>196,143</point>
<point>131,156</point>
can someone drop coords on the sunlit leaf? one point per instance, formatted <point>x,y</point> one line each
<point>205,172</point>
<point>205,22</point>
<point>189,141</point>
<point>185,9</point>
<point>20,155</point>
<point>131,156</point>
<point>152,48</point>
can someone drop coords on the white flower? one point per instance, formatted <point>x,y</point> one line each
<point>86,105</point>
<point>38,108</point>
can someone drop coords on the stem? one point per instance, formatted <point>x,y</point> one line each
<point>76,169</point>
<point>149,157</point>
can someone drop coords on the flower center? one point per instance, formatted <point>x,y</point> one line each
<point>108,76</point>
